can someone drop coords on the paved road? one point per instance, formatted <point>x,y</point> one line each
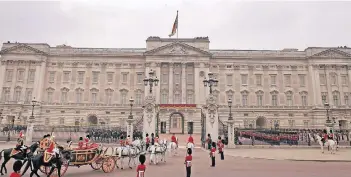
<point>228,168</point>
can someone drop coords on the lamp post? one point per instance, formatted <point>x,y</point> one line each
<point>151,81</point>
<point>30,126</point>
<point>157,108</point>
<point>130,119</point>
<point>210,82</point>
<point>327,107</point>
<point>231,137</point>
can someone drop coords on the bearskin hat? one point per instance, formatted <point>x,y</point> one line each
<point>189,151</point>
<point>88,136</point>
<point>17,165</point>
<point>147,134</point>
<point>324,131</point>
<point>208,135</point>
<point>142,159</point>
<point>80,138</point>
<point>219,137</point>
<point>121,137</point>
<point>213,144</point>
<point>152,134</point>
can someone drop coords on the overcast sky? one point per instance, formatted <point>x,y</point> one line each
<point>229,24</point>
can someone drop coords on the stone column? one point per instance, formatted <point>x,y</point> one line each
<point>41,77</point>
<point>170,83</point>
<point>30,130</point>
<point>183,83</point>
<point>197,84</point>
<point>348,75</point>
<point>130,121</point>
<point>231,141</point>
<point>2,76</point>
<point>312,86</point>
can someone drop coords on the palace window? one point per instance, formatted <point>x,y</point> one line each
<point>291,123</point>
<point>17,95</point>
<point>177,78</point>
<point>259,96</point>
<point>244,97</point>
<point>138,98</point>
<point>273,79</point>
<point>302,80</point>
<point>9,75</point>
<point>346,99</point>
<point>190,98</point>
<point>66,76</point>
<point>109,93</point>
<point>336,99</point>
<point>79,96</point>
<point>164,98</point>
<point>305,123</point>
<point>28,97</point>
<point>52,77</point>
<point>344,80</point>
<point>139,78</point>
<point>94,97</point>
<point>6,94</point>
<point>124,77</point>
<point>324,97</point>
<point>229,80</point>
<point>81,77</point>
<point>95,77</point>
<point>190,79</point>
<point>64,96</point>
<point>258,79</point>
<point>109,77</point>
<point>322,79</point>
<point>274,95</point>
<point>177,99</point>
<point>287,80</point>
<point>289,98</point>
<point>20,75</point>
<point>49,96</point>
<point>124,96</point>
<point>244,79</point>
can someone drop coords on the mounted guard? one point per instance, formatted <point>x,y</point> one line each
<point>20,142</point>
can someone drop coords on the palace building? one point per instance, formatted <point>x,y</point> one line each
<point>269,88</point>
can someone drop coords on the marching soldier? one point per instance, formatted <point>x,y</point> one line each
<point>152,139</point>
<point>141,168</point>
<point>220,146</point>
<point>213,154</point>
<point>188,163</point>
<point>147,141</point>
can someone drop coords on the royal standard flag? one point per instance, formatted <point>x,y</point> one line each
<point>175,26</point>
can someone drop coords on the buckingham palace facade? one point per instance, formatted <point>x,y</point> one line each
<point>76,86</point>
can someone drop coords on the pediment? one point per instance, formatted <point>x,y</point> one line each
<point>332,53</point>
<point>22,49</point>
<point>178,49</point>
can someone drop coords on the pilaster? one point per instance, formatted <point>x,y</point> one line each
<point>2,76</point>
<point>41,76</point>
<point>197,85</point>
<point>183,83</point>
<point>170,83</point>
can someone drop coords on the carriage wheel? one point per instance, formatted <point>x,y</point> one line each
<point>97,164</point>
<point>64,168</point>
<point>42,169</point>
<point>108,165</point>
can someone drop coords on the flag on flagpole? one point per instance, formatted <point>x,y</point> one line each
<point>175,26</point>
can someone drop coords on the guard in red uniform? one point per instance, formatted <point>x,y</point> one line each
<point>141,168</point>
<point>87,141</point>
<point>127,140</point>
<point>188,163</point>
<point>17,169</point>
<point>80,143</point>
<point>20,143</point>
<point>213,154</point>
<point>220,146</point>
<point>121,141</point>
<point>147,141</point>
<point>174,139</point>
<point>190,139</point>
<point>51,147</point>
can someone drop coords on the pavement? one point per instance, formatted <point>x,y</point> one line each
<point>231,166</point>
<point>342,155</point>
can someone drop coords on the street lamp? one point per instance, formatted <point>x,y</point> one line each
<point>326,105</point>
<point>230,109</point>
<point>152,80</point>
<point>131,101</point>
<point>210,82</point>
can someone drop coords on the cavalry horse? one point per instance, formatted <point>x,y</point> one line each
<point>131,152</point>
<point>158,150</point>
<point>45,159</point>
<point>329,142</point>
<point>172,147</point>
<point>25,154</point>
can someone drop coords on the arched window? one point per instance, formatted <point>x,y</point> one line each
<point>336,98</point>
<point>274,95</point>
<point>289,98</point>
<point>259,95</point>
<point>244,97</point>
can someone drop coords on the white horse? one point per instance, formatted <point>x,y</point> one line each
<point>329,142</point>
<point>131,152</point>
<point>158,150</point>
<point>172,147</point>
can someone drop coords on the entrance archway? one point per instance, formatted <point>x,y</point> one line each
<point>176,123</point>
<point>261,122</point>
<point>92,120</point>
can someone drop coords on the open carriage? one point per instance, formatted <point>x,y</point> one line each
<point>95,156</point>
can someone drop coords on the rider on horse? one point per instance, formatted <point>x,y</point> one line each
<point>50,149</point>
<point>174,139</point>
<point>127,141</point>
<point>20,142</point>
<point>190,139</point>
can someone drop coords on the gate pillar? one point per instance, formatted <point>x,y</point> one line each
<point>231,138</point>
<point>211,113</point>
<point>30,130</point>
<point>149,122</point>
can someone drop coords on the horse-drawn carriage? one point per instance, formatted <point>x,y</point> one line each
<point>95,156</point>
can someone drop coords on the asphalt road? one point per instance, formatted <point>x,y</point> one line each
<point>230,167</point>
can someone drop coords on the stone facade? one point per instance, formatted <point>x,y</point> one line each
<point>76,86</point>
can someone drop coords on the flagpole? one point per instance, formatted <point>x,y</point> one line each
<point>177,24</point>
